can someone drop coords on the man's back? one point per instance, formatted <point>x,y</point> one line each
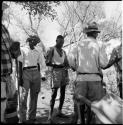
<point>88,56</point>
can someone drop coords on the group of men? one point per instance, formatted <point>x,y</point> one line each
<point>87,59</point>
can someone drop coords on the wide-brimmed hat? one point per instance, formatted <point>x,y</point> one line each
<point>92,27</point>
<point>109,109</point>
<point>4,6</point>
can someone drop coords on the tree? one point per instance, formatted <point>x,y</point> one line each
<point>77,15</point>
<point>110,29</point>
<point>36,11</point>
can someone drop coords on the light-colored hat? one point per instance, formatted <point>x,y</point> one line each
<point>92,27</point>
<point>109,109</point>
<point>4,6</point>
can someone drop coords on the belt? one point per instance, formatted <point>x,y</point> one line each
<point>5,75</point>
<point>3,99</point>
<point>30,67</point>
<point>58,66</point>
<point>89,74</point>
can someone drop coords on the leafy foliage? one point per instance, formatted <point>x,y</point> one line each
<point>40,7</point>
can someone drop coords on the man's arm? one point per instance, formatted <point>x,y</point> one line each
<point>66,63</point>
<point>103,58</point>
<point>20,70</point>
<point>42,64</point>
<point>49,56</point>
<point>72,57</point>
<point>112,60</point>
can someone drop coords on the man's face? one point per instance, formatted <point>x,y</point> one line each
<point>60,42</point>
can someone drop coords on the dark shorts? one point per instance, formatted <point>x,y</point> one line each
<point>59,78</point>
<point>92,90</point>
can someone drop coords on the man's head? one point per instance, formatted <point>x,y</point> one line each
<point>33,41</point>
<point>59,41</point>
<point>92,30</point>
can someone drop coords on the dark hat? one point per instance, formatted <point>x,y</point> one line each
<point>92,27</point>
<point>4,6</point>
<point>33,39</point>
<point>60,37</point>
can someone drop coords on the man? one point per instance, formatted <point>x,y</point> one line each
<point>87,59</point>
<point>30,77</point>
<point>56,59</point>
<point>116,60</point>
<point>7,53</point>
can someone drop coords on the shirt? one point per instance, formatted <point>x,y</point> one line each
<point>6,60</point>
<point>30,57</point>
<point>57,59</point>
<point>88,57</point>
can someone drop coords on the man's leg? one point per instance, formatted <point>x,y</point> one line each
<point>3,101</point>
<point>62,97</point>
<point>33,105</point>
<point>81,89</point>
<point>34,91</point>
<point>24,95</point>
<point>94,94</point>
<point>52,101</point>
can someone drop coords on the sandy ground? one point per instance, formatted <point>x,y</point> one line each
<point>44,101</point>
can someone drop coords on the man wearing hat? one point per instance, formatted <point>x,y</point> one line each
<point>87,58</point>
<point>9,50</point>
<point>30,77</point>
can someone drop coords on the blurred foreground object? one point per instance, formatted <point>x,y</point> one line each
<point>109,109</point>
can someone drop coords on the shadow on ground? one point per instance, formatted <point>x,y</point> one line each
<point>42,117</point>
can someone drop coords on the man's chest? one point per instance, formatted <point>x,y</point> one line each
<point>30,54</point>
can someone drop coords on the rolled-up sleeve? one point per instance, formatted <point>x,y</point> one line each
<point>20,58</point>
<point>103,58</point>
<point>72,55</point>
<point>42,64</point>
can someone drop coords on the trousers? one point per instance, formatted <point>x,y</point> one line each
<point>32,81</point>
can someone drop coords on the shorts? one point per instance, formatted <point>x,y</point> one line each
<point>59,78</point>
<point>92,90</point>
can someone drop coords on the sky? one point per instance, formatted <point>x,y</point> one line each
<point>51,29</point>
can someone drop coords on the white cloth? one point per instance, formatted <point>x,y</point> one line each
<point>57,59</point>
<point>30,57</point>
<point>88,57</point>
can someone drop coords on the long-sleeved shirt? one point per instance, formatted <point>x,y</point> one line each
<point>30,57</point>
<point>6,59</point>
<point>88,57</point>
